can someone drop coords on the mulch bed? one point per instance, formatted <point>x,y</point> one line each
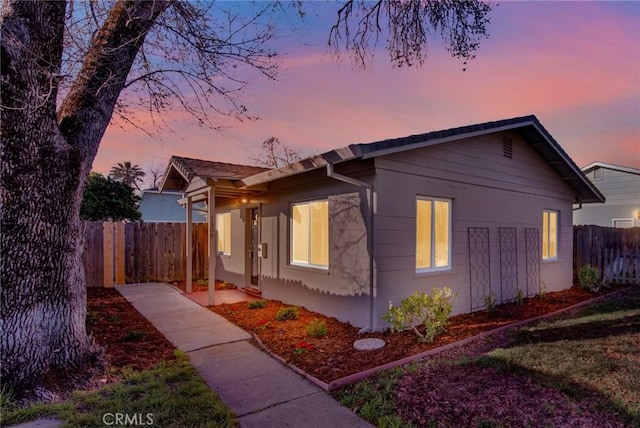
<point>333,356</point>
<point>128,338</point>
<point>201,286</point>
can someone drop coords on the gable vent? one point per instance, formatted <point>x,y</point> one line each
<point>507,147</point>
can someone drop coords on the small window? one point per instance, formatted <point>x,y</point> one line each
<point>223,227</point>
<point>507,147</point>
<point>433,234</point>
<point>310,234</point>
<point>622,222</point>
<point>549,235</point>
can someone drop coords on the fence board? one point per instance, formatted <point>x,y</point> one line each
<point>92,257</point>
<point>615,252</point>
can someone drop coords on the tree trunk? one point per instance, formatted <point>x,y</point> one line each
<point>43,285</point>
<point>45,164</point>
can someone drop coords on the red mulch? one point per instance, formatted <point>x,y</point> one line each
<point>195,286</point>
<point>333,356</point>
<point>128,338</point>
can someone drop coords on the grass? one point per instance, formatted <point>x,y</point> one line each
<point>594,352</point>
<point>591,353</point>
<point>170,395</point>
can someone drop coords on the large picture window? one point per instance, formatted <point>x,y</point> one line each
<point>310,234</point>
<point>433,234</point>
<point>223,228</point>
<point>549,235</point>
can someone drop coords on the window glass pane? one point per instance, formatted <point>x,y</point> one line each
<point>300,234</point>
<point>553,235</point>
<point>227,233</point>
<point>220,230</point>
<point>319,239</point>
<point>423,234</point>
<point>442,233</point>
<point>545,235</point>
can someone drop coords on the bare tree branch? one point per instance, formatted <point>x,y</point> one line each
<point>409,26</point>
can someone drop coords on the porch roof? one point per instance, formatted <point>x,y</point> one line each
<point>192,175</point>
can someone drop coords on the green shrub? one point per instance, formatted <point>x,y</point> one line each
<point>589,278</point>
<point>257,304</point>
<point>519,298</point>
<point>290,313</point>
<point>490,302</point>
<point>317,328</point>
<point>432,311</point>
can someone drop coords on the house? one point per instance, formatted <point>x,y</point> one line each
<point>621,186</point>
<point>161,207</point>
<point>484,209</point>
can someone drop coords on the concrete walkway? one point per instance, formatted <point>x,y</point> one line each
<point>258,389</point>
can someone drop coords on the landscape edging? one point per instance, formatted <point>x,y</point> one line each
<point>357,377</point>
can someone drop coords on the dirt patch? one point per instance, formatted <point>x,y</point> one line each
<point>456,395</point>
<point>332,357</point>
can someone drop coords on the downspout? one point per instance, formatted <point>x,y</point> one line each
<point>332,174</point>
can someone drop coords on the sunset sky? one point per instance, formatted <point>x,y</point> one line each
<point>575,65</point>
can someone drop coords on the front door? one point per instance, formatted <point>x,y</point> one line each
<point>254,237</point>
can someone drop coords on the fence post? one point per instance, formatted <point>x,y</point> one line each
<point>107,251</point>
<point>119,252</point>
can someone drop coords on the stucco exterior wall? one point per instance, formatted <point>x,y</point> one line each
<point>487,190</point>
<point>231,268</point>
<point>343,289</point>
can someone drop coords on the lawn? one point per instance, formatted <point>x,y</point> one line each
<point>575,370</point>
<point>146,381</point>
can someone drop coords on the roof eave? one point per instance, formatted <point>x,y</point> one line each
<point>315,162</point>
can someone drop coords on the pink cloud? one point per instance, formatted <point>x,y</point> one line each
<point>575,65</point>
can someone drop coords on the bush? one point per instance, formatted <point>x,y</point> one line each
<point>432,311</point>
<point>290,313</point>
<point>317,328</point>
<point>257,304</point>
<point>589,278</point>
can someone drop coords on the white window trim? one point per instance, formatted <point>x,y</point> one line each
<point>556,257</point>
<point>302,264</point>
<point>220,229</point>
<point>433,236</point>
<point>614,220</point>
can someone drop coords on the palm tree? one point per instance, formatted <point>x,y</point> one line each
<point>127,173</point>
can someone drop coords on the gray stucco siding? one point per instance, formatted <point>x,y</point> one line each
<point>231,268</point>
<point>487,190</point>
<point>343,289</point>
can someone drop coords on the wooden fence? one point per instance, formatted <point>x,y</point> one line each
<point>119,253</point>
<point>614,251</point>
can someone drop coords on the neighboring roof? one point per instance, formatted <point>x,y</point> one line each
<point>182,171</point>
<point>594,165</point>
<point>529,127</point>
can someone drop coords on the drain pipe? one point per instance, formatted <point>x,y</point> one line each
<point>332,174</point>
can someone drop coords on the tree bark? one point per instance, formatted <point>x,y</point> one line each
<point>46,158</point>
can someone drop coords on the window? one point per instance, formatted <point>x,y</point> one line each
<point>223,227</point>
<point>549,235</point>
<point>310,234</point>
<point>433,234</point>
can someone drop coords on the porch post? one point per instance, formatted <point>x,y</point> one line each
<point>189,244</point>
<point>212,244</point>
